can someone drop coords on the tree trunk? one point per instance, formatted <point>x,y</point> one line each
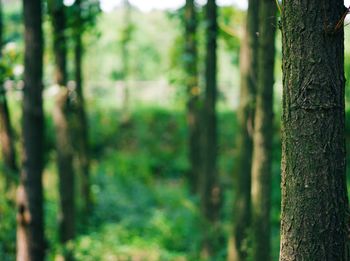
<point>244,143</point>
<point>6,133</point>
<point>125,55</point>
<point>263,133</point>
<point>62,120</point>
<point>210,189</point>
<point>314,194</point>
<point>30,221</point>
<point>6,140</point>
<point>81,132</point>
<point>193,92</point>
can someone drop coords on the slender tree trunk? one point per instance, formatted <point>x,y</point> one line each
<point>126,56</point>
<point>30,221</point>
<point>244,143</point>
<point>81,132</point>
<point>6,140</point>
<point>314,194</point>
<point>263,133</point>
<point>210,189</point>
<point>193,102</point>
<point>62,120</point>
<point>6,133</point>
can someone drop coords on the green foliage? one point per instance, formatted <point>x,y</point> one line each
<point>82,15</point>
<point>166,151</point>
<point>12,19</point>
<point>142,214</point>
<point>143,208</point>
<point>7,227</point>
<point>230,25</point>
<point>152,34</point>
<point>347,76</point>
<point>10,68</point>
<point>230,31</point>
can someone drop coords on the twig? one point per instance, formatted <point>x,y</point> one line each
<point>228,30</point>
<point>278,5</point>
<point>342,19</point>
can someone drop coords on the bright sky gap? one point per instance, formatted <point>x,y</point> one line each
<point>109,5</point>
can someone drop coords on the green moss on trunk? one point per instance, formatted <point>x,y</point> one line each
<point>314,194</point>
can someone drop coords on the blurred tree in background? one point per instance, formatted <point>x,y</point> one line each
<point>194,102</point>
<point>62,116</point>
<point>210,187</point>
<point>30,201</point>
<point>247,101</point>
<point>6,133</point>
<point>263,134</point>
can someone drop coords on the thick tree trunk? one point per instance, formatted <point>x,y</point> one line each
<point>30,221</point>
<point>244,143</point>
<point>210,189</point>
<point>62,120</point>
<point>193,102</point>
<point>81,132</point>
<point>6,133</point>
<point>263,133</point>
<point>314,195</point>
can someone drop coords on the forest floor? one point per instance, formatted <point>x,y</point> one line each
<point>143,210</point>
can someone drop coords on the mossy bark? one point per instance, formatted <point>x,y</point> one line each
<point>193,92</point>
<point>30,214</point>
<point>314,194</point>
<point>244,142</point>
<point>263,134</point>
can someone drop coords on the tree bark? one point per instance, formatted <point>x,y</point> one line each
<point>62,120</point>
<point>244,142</point>
<point>210,189</point>
<point>193,92</point>
<point>30,221</point>
<point>81,132</point>
<point>6,132</point>
<point>314,194</point>
<point>263,133</point>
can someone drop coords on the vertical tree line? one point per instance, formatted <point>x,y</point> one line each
<point>263,133</point>
<point>30,216</point>
<point>244,142</point>
<point>254,139</point>
<point>63,125</point>
<point>210,189</point>
<point>81,134</point>
<point>193,96</point>
<point>125,53</point>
